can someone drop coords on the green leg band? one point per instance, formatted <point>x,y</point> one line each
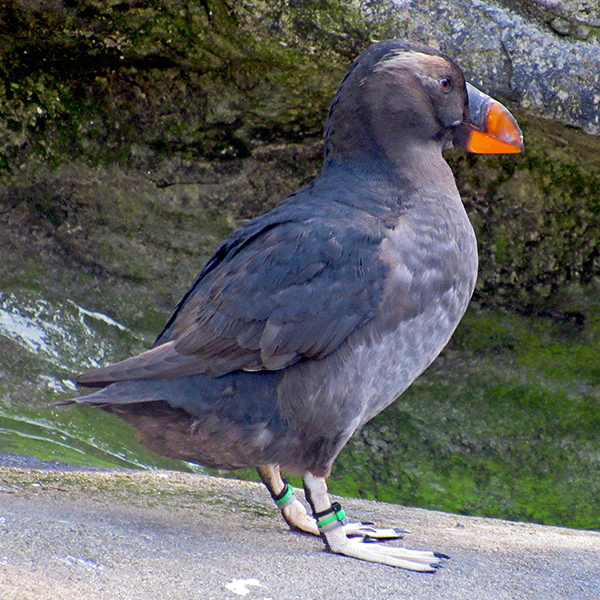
<point>331,519</point>
<point>286,497</point>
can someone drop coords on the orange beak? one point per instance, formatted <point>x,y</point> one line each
<point>491,128</point>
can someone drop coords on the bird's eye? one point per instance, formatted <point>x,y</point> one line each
<point>446,84</point>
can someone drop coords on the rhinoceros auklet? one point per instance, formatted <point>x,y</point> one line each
<point>312,318</point>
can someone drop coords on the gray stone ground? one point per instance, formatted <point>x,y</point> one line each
<point>87,535</point>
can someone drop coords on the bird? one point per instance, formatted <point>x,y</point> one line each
<point>312,318</point>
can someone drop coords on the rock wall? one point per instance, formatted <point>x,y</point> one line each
<point>144,130</point>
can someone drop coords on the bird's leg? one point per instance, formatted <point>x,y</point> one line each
<point>296,517</point>
<point>291,508</point>
<point>330,522</point>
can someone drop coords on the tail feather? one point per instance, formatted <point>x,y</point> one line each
<point>122,392</point>
<point>158,363</point>
<point>241,396</point>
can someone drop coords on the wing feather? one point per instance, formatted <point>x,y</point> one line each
<point>274,293</point>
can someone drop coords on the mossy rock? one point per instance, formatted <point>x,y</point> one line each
<point>135,135</point>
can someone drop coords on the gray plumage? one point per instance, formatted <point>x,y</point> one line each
<point>311,319</point>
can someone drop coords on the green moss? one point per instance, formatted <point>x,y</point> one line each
<point>158,82</point>
<point>505,424</point>
<point>494,430</point>
<point>94,80</point>
<point>537,216</point>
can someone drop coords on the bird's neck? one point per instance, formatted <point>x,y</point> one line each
<point>418,169</point>
<point>425,169</point>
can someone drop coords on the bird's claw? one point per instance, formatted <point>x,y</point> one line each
<point>371,551</point>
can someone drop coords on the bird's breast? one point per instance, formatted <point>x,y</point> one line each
<point>431,271</point>
<point>431,260</point>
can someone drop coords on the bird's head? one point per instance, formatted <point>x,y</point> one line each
<point>400,95</point>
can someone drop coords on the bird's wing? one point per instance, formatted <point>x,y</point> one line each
<point>274,292</point>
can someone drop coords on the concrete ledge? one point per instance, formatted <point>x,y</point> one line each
<point>87,535</point>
